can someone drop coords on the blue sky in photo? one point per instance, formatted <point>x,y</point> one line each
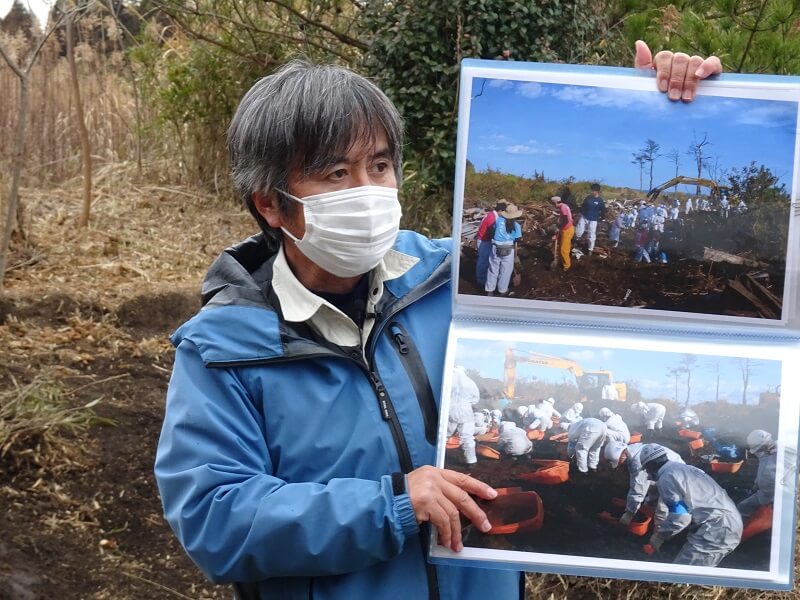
<point>649,370</point>
<point>591,133</point>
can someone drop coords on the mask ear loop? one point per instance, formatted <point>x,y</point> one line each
<point>301,203</point>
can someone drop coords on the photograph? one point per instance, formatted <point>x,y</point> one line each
<point>612,456</point>
<point>600,195</point>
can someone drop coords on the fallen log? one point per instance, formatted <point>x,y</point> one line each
<point>765,293</point>
<point>720,256</point>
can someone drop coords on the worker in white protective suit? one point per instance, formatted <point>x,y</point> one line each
<point>651,414</point>
<point>586,438</point>
<point>540,415</point>
<point>495,417</point>
<point>640,486</point>
<point>461,419</point>
<point>513,440</point>
<point>617,429</point>
<point>693,499</point>
<point>571,415</point>
<point>761,444</point>
<point>609,393</point>
<point>688,418</point>
<point>481,422</point>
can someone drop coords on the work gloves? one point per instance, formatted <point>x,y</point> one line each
<point>626,518</point>
<point>656,541</point>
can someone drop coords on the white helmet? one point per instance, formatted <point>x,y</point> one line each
<point>552,401</point>
<point>496,414</point>
<point>522,410</point>
<point>640,406</point>
<point>651,452</point>
<point>605,413</point>
<point>759,440</point>
<point>505,425</point>
<point>578,406</point>
<point>613,451</point>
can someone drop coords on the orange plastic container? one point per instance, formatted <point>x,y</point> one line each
<point>514,513</point>
<point>559,437</point>
<point>689,434</point>
<point>506,491</point>
<point>490,436</point>
<point>725,467</point>
<point>549,472</point>
<point>696,444</point>
<point>453,442</point>
<point>535,434</point>
<point>487,452</point>
<point>759,522</point>
<point>648,549</point>
<point>636,437</point>
<point>638,526</point>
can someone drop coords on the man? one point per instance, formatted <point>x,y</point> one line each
<point>464,395</point>
<point>617,429</point>
<point>311,324</point>
<point>760,444</point>
<point>651,414</point>
<point>484,241</point>
<point>540,415</point>
<point>593,210</point>
<point>689,207</point>
<point>688,418</point>
<point>694,500</point>
<point>609,393</point>
<point>571,415</point>
<point>586,438</point>
<point>639,484</point>
<point>565,233</point>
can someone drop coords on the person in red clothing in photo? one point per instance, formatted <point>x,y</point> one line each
<point>484,241</point>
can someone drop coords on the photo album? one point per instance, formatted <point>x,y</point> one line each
<point>622,361</point>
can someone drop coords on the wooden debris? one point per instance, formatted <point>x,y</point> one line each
<point>720,256</point>
<point>763,309</point>
<point>764,293</point>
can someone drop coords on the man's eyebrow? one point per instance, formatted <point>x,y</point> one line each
<point>382,153</point>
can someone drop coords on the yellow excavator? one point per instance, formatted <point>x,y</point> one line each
<point>590,383</point>
<point>715,187</point>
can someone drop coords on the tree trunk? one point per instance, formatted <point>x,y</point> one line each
<point>16,170</point>
<point>86,150</point>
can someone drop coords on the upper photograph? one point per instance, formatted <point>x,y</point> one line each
<point>592,189</point>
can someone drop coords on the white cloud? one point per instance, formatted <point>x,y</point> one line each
<point>526,149</point>
<point>612,98</point>
<point>767,115</point>
<point>580,355</point>
<point>501,84</point>
<point>530,90</point>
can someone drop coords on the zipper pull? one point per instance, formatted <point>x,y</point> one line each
<point>380,391</point>
<point>399,339</point>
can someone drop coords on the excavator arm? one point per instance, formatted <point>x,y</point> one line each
<point>513,357</point>
<point>709,183</point>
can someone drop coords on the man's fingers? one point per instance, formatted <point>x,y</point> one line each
<point>690,83</point>
<point>470,484</point>
<point>439,519</point>
<point>465,504</point>
<point>663,65</point>
<point>644,58</point>
<point>455,527</point>
<point>677,76</point>
<point>710,66</point>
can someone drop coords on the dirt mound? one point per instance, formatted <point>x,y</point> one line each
<point>52,309</point>
<point>151,314</point>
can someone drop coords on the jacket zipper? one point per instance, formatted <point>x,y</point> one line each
<point>412,362</point>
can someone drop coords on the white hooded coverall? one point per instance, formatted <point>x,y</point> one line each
<point>540,416</point>
<point>513,440</point>
<point>652,414</point>
<point>765,485</point>
<point>461,419</point>
<point>586,438</point>
<point>640,483</point>
<point>570,416</point>
<point>694,498</point>
<point>617,429</point>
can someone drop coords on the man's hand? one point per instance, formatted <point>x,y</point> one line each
<point>626,518</point>
<point>440,496</point>
<point>676,73</point>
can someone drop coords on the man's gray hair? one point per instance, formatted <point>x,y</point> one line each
<point>306,117</point>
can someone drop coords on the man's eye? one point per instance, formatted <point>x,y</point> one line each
<point>381,167</point>
<point>338,174</point>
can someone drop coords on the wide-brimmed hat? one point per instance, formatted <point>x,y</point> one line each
<point>511,211</point>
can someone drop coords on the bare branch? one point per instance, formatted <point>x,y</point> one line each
<point>11,63</point>
<point>345,39</point>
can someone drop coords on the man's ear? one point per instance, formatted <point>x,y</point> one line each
<point>267,207</point>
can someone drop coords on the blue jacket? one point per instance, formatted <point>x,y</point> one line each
<point>593,209</point>
<point>275,458</point>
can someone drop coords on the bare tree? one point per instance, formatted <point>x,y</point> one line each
<point>675,157</point>
<point>687,365</point>
<point>86,148</point>
<point>649,155</point>
<point>23,73</point>
<point>746,368</point>
<point>638,159</point>
<point>696,151</point>
<point>675,372</point>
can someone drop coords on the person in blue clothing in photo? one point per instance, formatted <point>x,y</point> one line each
<point>301,419</point>
<point>593,210</point>
<point>501,261</point>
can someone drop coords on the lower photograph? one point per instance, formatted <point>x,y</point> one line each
<point>613,459</point>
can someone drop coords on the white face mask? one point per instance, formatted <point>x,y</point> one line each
<point>349,231</point>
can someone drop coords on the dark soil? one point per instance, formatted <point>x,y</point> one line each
<point>610,276</point>
<point>92,527</point>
